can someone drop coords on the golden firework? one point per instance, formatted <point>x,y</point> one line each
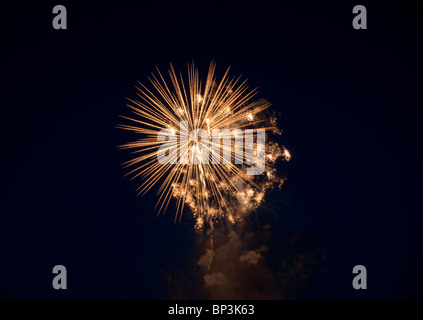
<point>210,190</point>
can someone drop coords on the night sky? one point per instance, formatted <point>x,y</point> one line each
<point>349,99</point>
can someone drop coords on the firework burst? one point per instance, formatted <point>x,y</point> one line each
<point>177,108</point>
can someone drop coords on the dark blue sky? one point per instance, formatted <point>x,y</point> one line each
<point>350,103</point>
